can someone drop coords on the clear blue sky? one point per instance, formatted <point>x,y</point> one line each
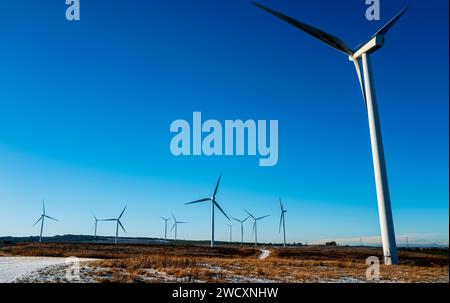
<point>85,110</point>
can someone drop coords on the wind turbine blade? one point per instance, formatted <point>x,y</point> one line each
<point>181,222</point>
<point>40,218</point>
<point>254,227</point>
<point>262,217</point>
<point>108,220</point>
<point>326,38</point>
<point>120,223</point>
<point>281,205</point>
<point>217,185</point>
<point>51,218</point>
<point>358,71</point>
<point>245,219</point>
<point>249,213</point>
<point>174,219</point>
<point>43,207</point>
<point>383,31</point>
<point>236,219</point>
<point>198,201</point>
<point>122,212</point>
<point>173,226</point>
<point>220,208</point>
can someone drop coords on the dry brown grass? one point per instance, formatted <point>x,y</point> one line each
<point>119,251</point>
<point>276,268</point>
<point>189,263</point>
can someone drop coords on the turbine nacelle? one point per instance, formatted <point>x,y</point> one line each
<point>373,45</point>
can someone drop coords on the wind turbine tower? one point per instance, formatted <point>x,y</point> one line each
<point>231,232</point>
<point>165,226</point>
<point>282,222</point>
<point>242,227</point>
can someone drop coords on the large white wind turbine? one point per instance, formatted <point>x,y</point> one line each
<point>213,205</point>
<point>366,81</point>
<point>117,224</point>
<point>42,218</point>
<point>255,226</point>
<point>242,227</point>
<point>175,225</point>
<point>282,222</point>
<point>165,226</point>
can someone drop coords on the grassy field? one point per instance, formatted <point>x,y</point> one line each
<point>196,263</point>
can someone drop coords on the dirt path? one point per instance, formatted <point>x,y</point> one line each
<point>264,254</point>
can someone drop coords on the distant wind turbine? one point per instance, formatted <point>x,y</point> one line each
<point>95,225</point>
<point>117,224</point>
<point>282,221</point>
<point>165,226</point>
<point>255,226</point>
<point>242,227</point>
<point>175,225</point>
<point>42,218</point>
<point>231,232</point>
<point>213,205</point>
<point>362,54</point>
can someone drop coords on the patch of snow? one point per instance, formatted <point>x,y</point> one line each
<point>15,268</point>
<point>264,254</point>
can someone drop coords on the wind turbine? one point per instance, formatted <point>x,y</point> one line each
<point>255,226</point>
<point>95,225</point>
<point>175,225</point>
<point>165,226</point>
<point>282,220</point>
<point>213,205</point>
<point>117,224</point>
<point>42,219</point>
<point>366,81</point>
<point>242,227</point>
<point>231,232</point>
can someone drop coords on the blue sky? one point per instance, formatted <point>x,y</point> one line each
<point>85,110</point>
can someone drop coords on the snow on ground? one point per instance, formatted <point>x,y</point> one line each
<point>264,254</point>
<point>17,268</point>
<point>46,269</point>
